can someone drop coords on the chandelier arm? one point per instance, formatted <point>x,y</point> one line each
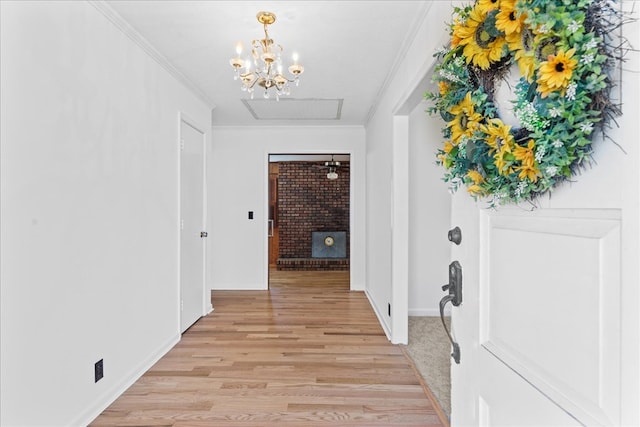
<point>266,33</point>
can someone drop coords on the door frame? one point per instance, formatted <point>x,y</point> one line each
<point>400,204</point>
<point>207,306</point>
<point>353,230</point>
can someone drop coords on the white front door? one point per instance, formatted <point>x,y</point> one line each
<point>192,246</point>
<point>548,326</point>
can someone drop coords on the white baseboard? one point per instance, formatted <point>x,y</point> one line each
<point>385,328</point>
<point>428,312</point>
<point>109,396</point>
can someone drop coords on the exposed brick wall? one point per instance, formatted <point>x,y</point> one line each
<point>308,201</point>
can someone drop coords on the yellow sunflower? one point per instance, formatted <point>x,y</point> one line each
<point>448,146</point>
<point>526,61</point>
<point>480,47</point>
<point>475,189</point>
<point>487,6</point>
<point>443,157</point>
<point>443,87</point>
<point>528,168</point>
<point>522,43</point>
<point>530,172</point>
<point>475,176</point>
<point>466,119</point>
<point>555,73</point>
<point>477,179</point>
<point>507,20</point>
<point>525,154</point>
<point>498,135</point>
<point>503,160</point>
<point>458,29</point>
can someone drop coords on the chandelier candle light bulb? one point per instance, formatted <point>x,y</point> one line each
<point>268,72</point>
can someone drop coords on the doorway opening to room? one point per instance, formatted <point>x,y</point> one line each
<point>309,208</point>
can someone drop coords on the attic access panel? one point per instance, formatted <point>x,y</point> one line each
<point>294,109</point>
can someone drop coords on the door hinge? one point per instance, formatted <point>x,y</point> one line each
<point>182,224</point>
<point>181,144</point>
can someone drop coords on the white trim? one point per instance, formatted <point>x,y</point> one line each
<point>265,222</point>
<point>280,127</point>
<point>400,206</point>
<point>400,231</point>
<point>428,312</point>
<point>144,44</point>
<point>111,394</point>
<point>379,315</point>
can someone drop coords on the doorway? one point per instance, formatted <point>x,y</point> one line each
<point>309,213</point>
<point>192,224</point>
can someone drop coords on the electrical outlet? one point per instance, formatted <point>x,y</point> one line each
<point>98,370</point>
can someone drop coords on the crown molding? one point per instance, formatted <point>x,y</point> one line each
<point>120,23</point>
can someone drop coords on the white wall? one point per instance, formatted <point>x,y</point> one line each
<point>388,277</point>
<point>89,215</point>
<point>238,172</point>
<point>429,216</point>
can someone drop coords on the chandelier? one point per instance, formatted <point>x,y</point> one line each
<point>264,67</point>
<point>333,167</point>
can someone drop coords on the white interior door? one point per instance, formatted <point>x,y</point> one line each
<point>192,245</point>
<point>539,328</point>
<point>548,326</point>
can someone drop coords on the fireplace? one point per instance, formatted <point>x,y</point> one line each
<point>329,244</point>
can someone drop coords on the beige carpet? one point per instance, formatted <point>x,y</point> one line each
<point>430,350</point>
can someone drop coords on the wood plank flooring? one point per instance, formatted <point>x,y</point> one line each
<point>308,352</point>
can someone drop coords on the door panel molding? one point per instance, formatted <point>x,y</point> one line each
<point>536,267</point>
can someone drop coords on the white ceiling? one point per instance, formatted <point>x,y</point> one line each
<point>348,48</point>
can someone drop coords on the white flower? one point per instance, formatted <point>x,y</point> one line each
<point>587,59</point>
<point>540,152</point>
<point>462,150</point>
<point>591,44</point>
<point>544,29</point>
<point>529,117</point>
<point>552,170</point>
<point>573,27</point>
<point>557,143</point>
<point>571,91</point>
<point>555,112</point>
<point>586,127</point>
<point>521,187</point>
<point>441,51</point>
<point>448,75</point>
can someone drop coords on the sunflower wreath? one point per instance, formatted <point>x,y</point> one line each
<point>554,57</point>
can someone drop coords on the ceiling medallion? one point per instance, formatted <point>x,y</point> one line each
<point>264,67</point>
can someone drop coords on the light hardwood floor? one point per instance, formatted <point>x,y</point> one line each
<point>308,352</point>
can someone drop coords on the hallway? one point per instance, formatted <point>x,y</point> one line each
<point>307,352</point>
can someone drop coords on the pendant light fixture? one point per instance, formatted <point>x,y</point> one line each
<point>264,67</point>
